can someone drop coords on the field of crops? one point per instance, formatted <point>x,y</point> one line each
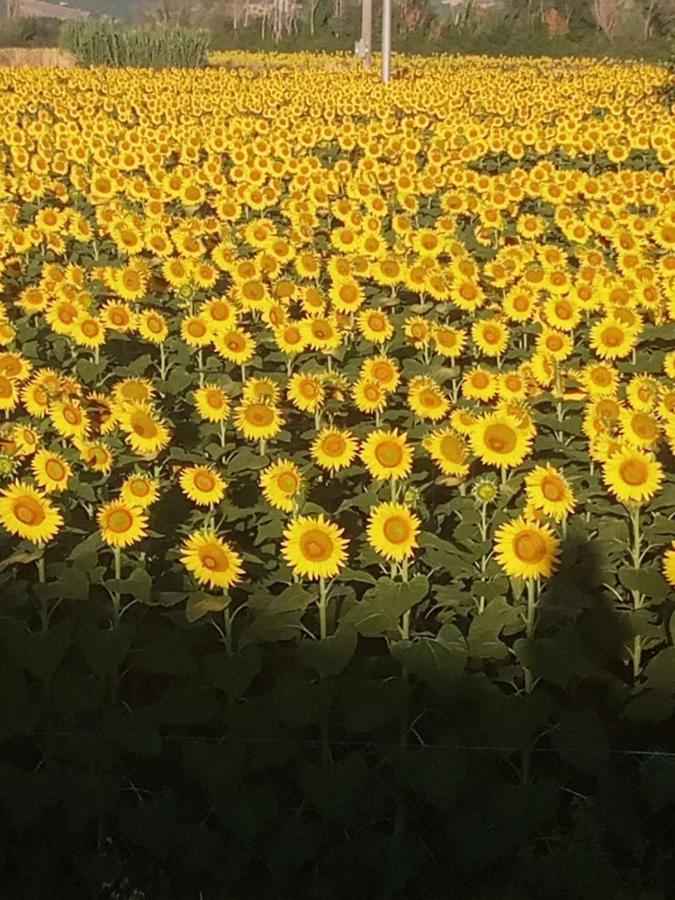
<point>346,412</point>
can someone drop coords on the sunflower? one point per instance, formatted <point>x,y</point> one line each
<point>426,399</point>
<point>599,379</point>
<point>139,490</point>
<point>196,331</point>
<point>281,483</point>
<point>383,370</point>
<point>236,346</point>
<point>498,439</point>
<point>133,390</point>
<point>386,455</point>
<point>611,339</point>
<point>314,547</point>
<point>261,390</point>
<point>669,565</point>
<point>480,384</point>
<point>212,403</point>
<point>547,489</point>
<point>96,456</point>
<point>449,341</point>
<point>639,428</point>
<point>305,392</point>
<point>211,560</point>
<point>203,485</point>
<point>146,434</point>
<point>51,470</point>
<point>9,393</point>
<point>369,396</point>
<point>121,524</point>
<point>490,336</point>
<point>374,325</point>
<point>526,549</point>
<point>69,419</point>
<point>392,531</point>
<point>27,513</point>
<point>334,449</point>
<point>448,451</point>
<point>258,421</point>
<point>632,475</point>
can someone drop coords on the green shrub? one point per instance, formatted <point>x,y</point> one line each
<point>98,43</point>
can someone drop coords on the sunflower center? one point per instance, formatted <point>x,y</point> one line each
<point>644,427</point>
<point>500,438</point>
<point>139,488</point>
<point>5,387</point>
<point>205,482</point>
<point>376,322</point>
<point>372,392</point>
<point>552,489</point>
<point>554,342</point>
<point>197,329</point>
<point>259,414</point>
<point>612,336</point>
<point>530,547</point>
<point>235,343</point>
<point>396,530</point>
<point>601,377</point>
<point>634,472</point>
<point>316,545</point>
<point>309,389</point>
<point>55,470</point>
<point>389,454</point>
<point>491,335</point>
<point>480,380</point>
<point>215,400</point>
<point>563,310</point>
<point>451,449</point>
<point>120,521</point>
<point>143,425</point>
<point>287,482</point>
<point>334,445</point>
<point>90,328</point>
<point>429,398</point>
<point>71,415</point>
<point>29,511</point>
<point>214,559</point>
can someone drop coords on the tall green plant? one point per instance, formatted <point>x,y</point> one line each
<point>99,43</point>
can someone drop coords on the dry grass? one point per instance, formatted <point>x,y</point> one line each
<point>40,56</point>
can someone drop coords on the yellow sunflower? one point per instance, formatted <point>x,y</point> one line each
<point>314,547</point>
<point>547,489</point>
<point>146,434</point>
<point>334,449</point>
<point>51,470</point>
<point>258,421</point>
<point>212,403</point>
<point>669,565</point>
<point>369,396</point>
<point>392,531</point>
<point>386,455</point>
<point>448,451</point>
<point>121,524</point>
<point>139,490</point>
<point>27,513</point>
<point>632,475</point>
<point>526,549</point>
<point>203,485</point>
<point>426,399</point>
<point>281,484</point>
<point>211,560</point>
<point>498,439</point>
<point>305,392</point>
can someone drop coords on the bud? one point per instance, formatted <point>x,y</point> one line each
<point>485,491</point>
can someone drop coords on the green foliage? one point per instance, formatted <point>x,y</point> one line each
<point>99,43</point>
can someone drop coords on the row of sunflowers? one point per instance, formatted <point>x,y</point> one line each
<point>260,329</point>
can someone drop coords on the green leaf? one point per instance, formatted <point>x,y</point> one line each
<point>233,673</point>
<point>91,544</point>
<point>178,381</point>
<point>660,671</point>
<point>484,631</point>
<point>104,649</point>
<point>557,660</point>
<point>246,459</point>
<point>295,596</point>
<point>382,606</point>
<point>648,581</point>
<point>200,603</point>
<point>652,705</point>
<point>330,656</point>
<point>269,627</point>
<point>437,661</point>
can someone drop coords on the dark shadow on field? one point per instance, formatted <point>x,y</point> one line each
<point>144,763</point>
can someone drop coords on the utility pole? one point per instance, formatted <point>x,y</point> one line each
<point>386,41</point>
<point>367,32</point>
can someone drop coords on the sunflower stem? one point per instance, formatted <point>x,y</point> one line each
<point>162,361</point>
<point>262,446</point>
<point>636,553</point>
<point>393,490</point>
<point>532,592</point>
<point>116,596</point>
<point>200,364</point>
<point>323,609</point>
<point>44,607</point>
<point>228,618</point>
<point>222,432</point>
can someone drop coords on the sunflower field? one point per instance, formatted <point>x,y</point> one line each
<point>337,480</point>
